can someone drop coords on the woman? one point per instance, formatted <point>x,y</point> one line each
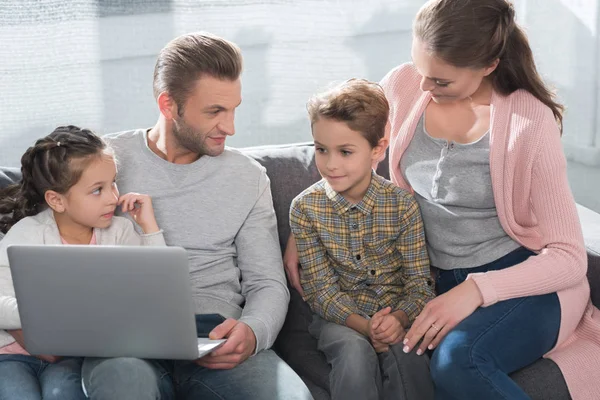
<point>475,133</point>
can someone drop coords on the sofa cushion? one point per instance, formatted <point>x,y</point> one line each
<point>9,176</point>
<point>590,224</point>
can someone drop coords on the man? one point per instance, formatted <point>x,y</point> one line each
<point>217,204</point>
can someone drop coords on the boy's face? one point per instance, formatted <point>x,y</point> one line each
<point>344,158</point>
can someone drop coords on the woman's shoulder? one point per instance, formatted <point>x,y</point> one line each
<point>522,103</point>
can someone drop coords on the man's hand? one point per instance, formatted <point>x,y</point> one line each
<point>240,344</point>
<point>17,334</point>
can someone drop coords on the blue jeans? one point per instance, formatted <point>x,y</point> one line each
<point>29,378</point>
<point>262,376</point>
<point>475,359</point>
<point>125,378</point>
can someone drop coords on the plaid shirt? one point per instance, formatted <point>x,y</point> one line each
<point>358,259</point>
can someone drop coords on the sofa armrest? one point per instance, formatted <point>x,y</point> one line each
<point>590,224</point>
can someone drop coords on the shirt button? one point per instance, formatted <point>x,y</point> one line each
<point>372,272</point>
<point>354,226</point>
<point>358,257</point>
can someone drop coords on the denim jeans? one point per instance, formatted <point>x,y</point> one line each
<point>475,359</point>
<point>359,373</point>
<point>262,376</point>
<point>29,378</point>
<point>125,378</point>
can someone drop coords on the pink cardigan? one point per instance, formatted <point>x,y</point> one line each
<point>535,207</point>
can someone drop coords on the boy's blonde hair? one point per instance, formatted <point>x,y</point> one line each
<point>360,103</point>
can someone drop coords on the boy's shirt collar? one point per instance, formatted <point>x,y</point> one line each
<point>341,205</point>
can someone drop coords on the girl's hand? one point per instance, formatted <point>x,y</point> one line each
<point>139,206</point>
<point>441,315</point>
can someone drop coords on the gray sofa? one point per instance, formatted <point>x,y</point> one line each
<point>291,169</point>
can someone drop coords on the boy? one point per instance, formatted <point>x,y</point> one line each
<point>362,249</point>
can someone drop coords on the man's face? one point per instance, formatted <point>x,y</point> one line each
<point>208,116</point>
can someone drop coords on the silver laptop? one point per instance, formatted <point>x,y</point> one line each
<point>106,301</point>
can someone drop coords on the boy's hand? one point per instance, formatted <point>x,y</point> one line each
<point>386,328</point>
<point>380,347</point>
<point>139,206</point>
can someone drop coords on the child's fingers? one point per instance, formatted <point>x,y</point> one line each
<point>132,201</point>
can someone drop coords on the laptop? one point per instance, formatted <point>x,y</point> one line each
<point>106,301</point>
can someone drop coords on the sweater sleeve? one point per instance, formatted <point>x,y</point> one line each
<point>21,233</point>
<point>261,265</point>
<point>562,261</point>
<point>127,236</point>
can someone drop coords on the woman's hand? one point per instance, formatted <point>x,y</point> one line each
<point>441,315</point>
<point>139,206</point>
<point>291,264</point>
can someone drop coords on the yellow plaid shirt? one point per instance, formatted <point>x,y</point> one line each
<point>358,259</point>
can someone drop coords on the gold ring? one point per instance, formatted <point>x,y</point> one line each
<point>435,327</point>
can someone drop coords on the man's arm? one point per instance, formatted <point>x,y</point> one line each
<point>263,279</point>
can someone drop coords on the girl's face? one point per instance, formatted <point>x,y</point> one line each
<point>447,83</point>
<point>91,202</point>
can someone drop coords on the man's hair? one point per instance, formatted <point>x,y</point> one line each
<point>359,103</point>
<point>189,57</point>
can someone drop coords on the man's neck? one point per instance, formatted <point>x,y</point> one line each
<point>162,143</point>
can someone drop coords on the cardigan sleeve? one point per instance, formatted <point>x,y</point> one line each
<point>562,260</point>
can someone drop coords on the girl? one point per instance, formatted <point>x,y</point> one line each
<point>67,195</point>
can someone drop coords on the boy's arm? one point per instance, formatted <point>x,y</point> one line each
<point>415,270</point>
<point>319,278</point>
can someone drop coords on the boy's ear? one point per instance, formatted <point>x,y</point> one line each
<point>379,150</point>
<point>55,200</point>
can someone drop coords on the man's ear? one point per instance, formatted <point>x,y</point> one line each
<point>55,200</point>
<point>167,106</point>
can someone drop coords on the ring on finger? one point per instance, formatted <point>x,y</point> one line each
<point>435,327</point>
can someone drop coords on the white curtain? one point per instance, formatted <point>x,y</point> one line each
<point>90,62</point>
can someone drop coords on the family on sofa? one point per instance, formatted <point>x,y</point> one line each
<point>436,284</point>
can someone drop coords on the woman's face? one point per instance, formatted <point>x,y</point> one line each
<point>446,82</point>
